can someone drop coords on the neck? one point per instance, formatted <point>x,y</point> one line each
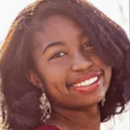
<point>88,119</point>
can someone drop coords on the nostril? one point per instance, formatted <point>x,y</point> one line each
<point>82,65</point>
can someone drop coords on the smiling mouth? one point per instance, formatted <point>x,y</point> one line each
<point>87,83</point>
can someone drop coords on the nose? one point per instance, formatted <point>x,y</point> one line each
<point>81,63</point>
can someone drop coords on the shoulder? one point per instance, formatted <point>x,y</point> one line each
<point>46,127</point>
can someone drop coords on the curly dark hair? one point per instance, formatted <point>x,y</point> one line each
<point>20,99</point>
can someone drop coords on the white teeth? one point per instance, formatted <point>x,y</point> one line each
<point>82,83</point>
<point>78,85</point>
<point>86,82</point>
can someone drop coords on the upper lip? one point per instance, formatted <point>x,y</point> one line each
<point>86,76</point>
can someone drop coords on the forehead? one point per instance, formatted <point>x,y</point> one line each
<point>57,28</point>
<point>58,20</point>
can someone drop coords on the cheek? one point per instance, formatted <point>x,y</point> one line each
<point>55,79</point>
<point>57,67</point>
<point>106,77</point>
<point>108,71</point>
<point>53,73</point>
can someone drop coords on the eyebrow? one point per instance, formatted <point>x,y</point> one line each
<point>52,45</point>
<point>59,43</point>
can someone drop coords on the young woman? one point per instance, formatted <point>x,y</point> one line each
<point>64,66</point>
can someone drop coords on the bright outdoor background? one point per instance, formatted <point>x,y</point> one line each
<point>118,10</point>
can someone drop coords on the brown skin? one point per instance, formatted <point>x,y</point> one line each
<point>59,65</point>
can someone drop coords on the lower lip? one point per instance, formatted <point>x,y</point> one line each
<point>88,89</point>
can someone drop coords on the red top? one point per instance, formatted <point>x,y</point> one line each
<point>47,127</point>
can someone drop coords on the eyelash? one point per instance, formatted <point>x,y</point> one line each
<point>87,44</point>
<point>57,55</point>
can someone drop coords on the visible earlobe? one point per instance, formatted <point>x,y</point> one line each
<point>34,79</point>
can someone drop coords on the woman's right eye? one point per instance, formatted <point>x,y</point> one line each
<point>58,55</point>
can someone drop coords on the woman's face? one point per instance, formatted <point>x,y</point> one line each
<point>70,71</point>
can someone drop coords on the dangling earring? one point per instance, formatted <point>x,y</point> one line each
<point>103,101</point>
<point>45,107</point>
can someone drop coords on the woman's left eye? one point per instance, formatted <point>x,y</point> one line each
<point>87,44</point>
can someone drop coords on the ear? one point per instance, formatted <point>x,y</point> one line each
<point>34,79</point>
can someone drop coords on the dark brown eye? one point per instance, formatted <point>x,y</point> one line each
<point>58,55</point>
<point>87,44</point>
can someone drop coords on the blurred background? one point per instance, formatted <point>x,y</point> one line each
<point>117,10</point>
